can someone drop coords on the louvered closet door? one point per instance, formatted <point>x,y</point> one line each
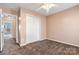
<point>33,29</point>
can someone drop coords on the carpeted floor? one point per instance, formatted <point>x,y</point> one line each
<point>45,47</point>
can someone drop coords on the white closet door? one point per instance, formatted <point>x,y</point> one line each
<point>33,29</point>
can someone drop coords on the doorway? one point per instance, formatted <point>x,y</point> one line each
<point>8,24</point>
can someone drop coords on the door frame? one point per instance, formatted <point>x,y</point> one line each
<point>17,26</point>
<point>1,32</point>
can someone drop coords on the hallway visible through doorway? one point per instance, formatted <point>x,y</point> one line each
<point>8,28</point>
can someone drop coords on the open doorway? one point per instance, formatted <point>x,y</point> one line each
<point>9,30</point>
<point>9,26</point>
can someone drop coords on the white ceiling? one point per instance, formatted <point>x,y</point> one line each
<point>35,6</point>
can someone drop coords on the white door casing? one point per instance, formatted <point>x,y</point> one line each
<point>1,32</point>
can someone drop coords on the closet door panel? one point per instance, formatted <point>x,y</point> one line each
<point>33,29</point>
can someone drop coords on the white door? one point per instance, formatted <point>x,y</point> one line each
<point>1,32</point>
<point>33,29</point>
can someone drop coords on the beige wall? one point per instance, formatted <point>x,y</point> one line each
<point>22,25</point>
<point>64,26</point>
<point>14,28</point>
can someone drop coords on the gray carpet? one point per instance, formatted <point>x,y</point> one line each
<point>44,47</point>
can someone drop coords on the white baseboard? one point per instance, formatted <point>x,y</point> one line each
<point>64,42</point>
<point>22,44</point>
<point>29,43</point>
<point>51,40</point>
<point>34,41</point>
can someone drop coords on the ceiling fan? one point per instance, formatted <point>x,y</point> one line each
<point>47,6</point>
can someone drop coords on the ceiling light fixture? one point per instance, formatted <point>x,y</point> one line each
<point>47,6</point>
